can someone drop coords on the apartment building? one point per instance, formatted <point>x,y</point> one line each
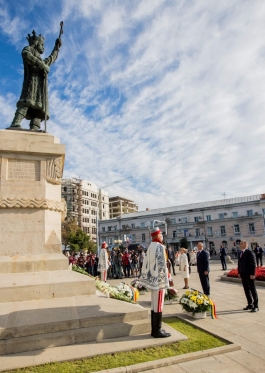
<point>85,203</point>
<point>120,205</point>
<point>225,221</point>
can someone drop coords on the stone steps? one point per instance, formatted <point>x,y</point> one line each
<point>74,336</point>
<point>16,287</point>
<point>33,325</point>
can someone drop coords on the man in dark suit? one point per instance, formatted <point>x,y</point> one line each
<point>259,253</point>
<point>247,271</point>
<point>222,257</point>
<point>203,268</point>
<point>171,257</point>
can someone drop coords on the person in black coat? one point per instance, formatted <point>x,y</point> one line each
<point>222,254</point>
<point>258,252</point>
<point>203,268</point>
<point>247,271</point>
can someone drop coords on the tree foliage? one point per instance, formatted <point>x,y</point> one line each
<point>184,243</point>
<point>74,237</point>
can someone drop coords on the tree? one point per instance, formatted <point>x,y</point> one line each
<point>78,240</point>
<point>73,236</point>
<point>68,227</point>
<point>184,243</point>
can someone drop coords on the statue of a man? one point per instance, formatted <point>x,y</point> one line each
<point>33,102</point>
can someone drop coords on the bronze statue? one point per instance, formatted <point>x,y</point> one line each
<point>33,102</point>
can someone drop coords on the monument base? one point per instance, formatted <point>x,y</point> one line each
<point>32,263</point>
<point>34,325</point>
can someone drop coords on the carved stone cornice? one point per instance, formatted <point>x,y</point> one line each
<point>33,203</point>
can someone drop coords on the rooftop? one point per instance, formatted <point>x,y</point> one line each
<point>194,206</point>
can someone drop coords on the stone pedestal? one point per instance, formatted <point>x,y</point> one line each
<point>43,303</point>
<point>31,211</point>
<point>31,166</point>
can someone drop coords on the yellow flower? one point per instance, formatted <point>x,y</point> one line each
<point>187,292</point>
<point>193,298</point>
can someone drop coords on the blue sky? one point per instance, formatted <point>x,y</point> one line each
<point>168,91</point>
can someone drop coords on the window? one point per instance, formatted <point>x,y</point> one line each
<point>110,240</point>
<point>142,225</point>
<point>263,211</point>
<point>143,237</point>
<point>116,238</point>
<point>235,214</point>
<point>249,212</point>
<point>209,231</point>
<point>196,218</point>
<point>251,228</point>
<point>103,239</point>
<point>237,229</point>
<point>65,189</point>
<point>172,221</point>
<point>197,232</point>
<point>174,234</point>
<point>133,238</point>
<point>115,227</point>
<point>184,220</point>
<point>221,216</point>
<point>133,225</point>
<point>222,229</point>
<point>208,217</point>
<point>109,229</point>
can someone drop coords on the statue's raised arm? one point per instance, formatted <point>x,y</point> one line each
<point>33,102</point>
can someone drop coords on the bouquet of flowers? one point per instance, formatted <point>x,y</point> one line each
<point>125,290</point>
<point>137,285</point>
<point>122,292</point>
<point>194,301</point>
<point>171,294</point>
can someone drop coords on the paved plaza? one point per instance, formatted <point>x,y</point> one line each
<point>240,327</point>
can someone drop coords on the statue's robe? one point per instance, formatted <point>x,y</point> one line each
<point>33,90</point>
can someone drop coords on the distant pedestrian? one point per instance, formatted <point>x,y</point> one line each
<point>184,267</point>
<point>171,258</point>
<point>222,254</point>
<point>103,263</point>
<point>203,268</point>
<point>259,254</point>
<point>247,272</point>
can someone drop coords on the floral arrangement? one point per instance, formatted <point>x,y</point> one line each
<point>260,273</point>
<point>121,292</point>
<point>194,301</point>
<point>137,285</point>
<point>171,294</point>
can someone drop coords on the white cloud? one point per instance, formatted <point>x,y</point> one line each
<point>169,92</point>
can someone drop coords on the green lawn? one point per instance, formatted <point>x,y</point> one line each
<point>197,341</point>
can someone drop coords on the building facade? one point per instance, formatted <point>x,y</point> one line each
<point>119,205</point>
<point>86,204</point>
<point>225,221</point>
